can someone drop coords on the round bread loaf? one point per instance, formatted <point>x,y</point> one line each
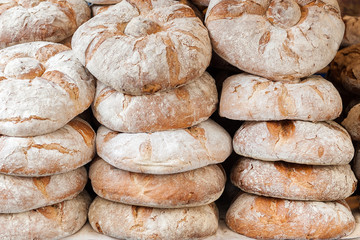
<point>40,20</point>
<point>352,30</point>
<point>133,222</point>
<point>66,149</point>
<point>165,152</point>
<point>248,97</point>
<point>271,218</point>
<point>42,87</point>
<point>322,143</point>
<point>178,108</point>
<point>139,47</point>
<point>294,181</point>
<point>187,189</point>
<point>277,39</point>
<point>20,194</point>
<point>352,122</point>
<point>50,222</point>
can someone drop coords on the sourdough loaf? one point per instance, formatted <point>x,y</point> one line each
<point>352,122</point>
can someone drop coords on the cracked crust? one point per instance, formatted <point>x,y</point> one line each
<point>252,98</point>
<point>255,36</point>
<point>141,47</point>
<point>165,152</point>
<point>294,181</point>
<point>40,20</point>
<point>42,87</point>
<point>322,143</point>
<point>271,218</point>
<point>152,223</point>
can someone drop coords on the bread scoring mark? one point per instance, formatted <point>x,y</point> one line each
<point>288,51</point>
<point>143,6</point>
<point>299,174</point>
<point>98,228</point>
<point>2,78</point>
<point>44,53</point>
<point>258,86</point>
<point>145,149</point>
<point>317,91</point>
<point>140,214</point>
<point>182,94</point>
<point>54,212</point>
<point>85,131</point>
<point>16,120</point>
<point>172,59</point>
<point>103,95</point>
<point>183,12</point>
<point>150,88</point>
<point>109,136</point>
<point>264,40</point>
<point>286,104</point>
<point>281,130</point>
<point>53,146</point>
<point>95,44</point>
<point>41,184</point>
<point>271,210</point>
<point>66,8</point>
<point>320,151</point>
<point>60,79</point>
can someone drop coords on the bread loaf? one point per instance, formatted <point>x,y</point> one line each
<point>248,97</point>
<point>178,108</point>
<point>352,122</point>
<point>352,30</point>
<point>52,222</point>
<point>282,40</point>
<point>294,181</point>
<point>133,222</point>
<point>42,87</point>
<point>139,47</point>
<point>322,143</point>
<point>165,152</point>
<point>40,20</point>
<point>271,218</point>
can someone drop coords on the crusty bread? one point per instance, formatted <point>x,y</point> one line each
<point>139,47</point>
<point>352,122</point>
<point>40,20</point>
<point>271,218</point>
<point>64,150</point>
<point>352,30</point>
<point>42,87</point>
<point>52,222</point>
<point>178,108</point>
<point>187,189</point>
<point>165,152</point>
<point>322,143</point>
<point>294,181</point>
<point>133,222</point>
<point>279,39</point>
<point>20,194</point>
<point>249,97</point>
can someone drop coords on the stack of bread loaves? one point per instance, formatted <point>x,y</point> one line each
<point>156,176</point>
<point>295,159</point>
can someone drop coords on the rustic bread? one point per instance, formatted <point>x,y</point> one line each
<point>133,222</point>
<point>352,30</point>
<point>322,143</point>
<point>50,222</point>
<point>66,149</point>
<point>271,218</point>
<point>139,47</point>
<point>178,108</point>
<point>352,122</point>
<point>282,40</point>
<point>165,152</point>
<point>20,194</point>
<point>187,189</point>
<point>42,87</point>
<point>248,97</point>
<point>294,181</point>
<point>40,20</point>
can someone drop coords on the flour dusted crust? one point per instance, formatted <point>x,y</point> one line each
<point>42,87</point>
<point>177,108</point>
<point>141,46</point>
<point>322,143</point>
<point>51,222</point>
<point>249,97</point>
<point>40,20</point>
<point>271,218</point>
<point>165,152</point>
<point>352,122</point>
<point>294,181</point>
<point>133,222</point>
<point>352,30</point>
<point>66,149</point>
<point>276,39</point>
<point>187,189</point>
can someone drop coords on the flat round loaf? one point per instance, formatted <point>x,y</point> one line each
<point>52,222</point>
<point>277,39</point>
<point>66,149</point>
<point>142,223</point>
<point>294,181</point>
<point>322,143</point>
<point>20,194</point>
<point>165,152</point>
<point>139,47</point>
<point>271,218</point>
<point>42,87</point>
<point>248,97</point>
<point>187,189</point>
<point>352,122</point>
<point>40,20</point>
<point>181,107</point>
